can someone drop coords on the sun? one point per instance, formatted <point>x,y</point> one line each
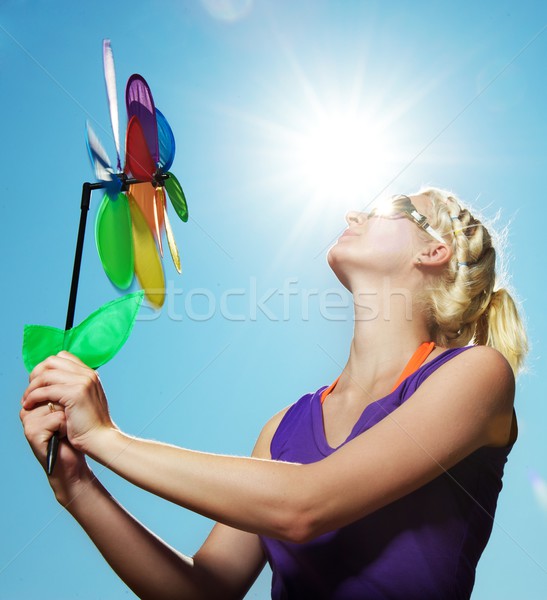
<point>320,147</point>
<point>341,155</point>
<point>333,155</point>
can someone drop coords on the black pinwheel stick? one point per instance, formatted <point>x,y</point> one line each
<point>53,444</point>
<point>87,188</point>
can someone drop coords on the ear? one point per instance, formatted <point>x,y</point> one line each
<point>434,255</point>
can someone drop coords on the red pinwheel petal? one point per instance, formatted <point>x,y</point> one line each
<point>138,161</point>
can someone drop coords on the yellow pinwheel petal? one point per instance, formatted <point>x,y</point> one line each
<point>157,212</point>
<point>148,268</point>
<point>169,232</point>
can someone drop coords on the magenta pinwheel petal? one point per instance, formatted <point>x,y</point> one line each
<point>140,104</point>
<point>110,81</point>
<point>166,141</point>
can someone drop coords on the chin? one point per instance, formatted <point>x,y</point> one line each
<point>337,263</point>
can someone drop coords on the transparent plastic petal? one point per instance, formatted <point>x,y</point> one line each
<point>110,81</point>
<point>145,195</point>
<point>166,141</point>
<point>169,231</point>
<point>138,160</point>
<point>94,341</point>
<point>176,195</point>
<point>114,239</point>
<point>140,103</point>
<point>148,267</point>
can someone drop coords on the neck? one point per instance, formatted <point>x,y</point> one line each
<point>388,330</point>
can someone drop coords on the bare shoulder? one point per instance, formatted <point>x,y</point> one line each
<point>485,377</point>
<point>262,446</point>
<point>482,363</point>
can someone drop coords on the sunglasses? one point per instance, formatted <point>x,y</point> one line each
<point>402,206</point>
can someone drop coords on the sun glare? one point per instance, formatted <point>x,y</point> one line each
<point>341,155</point>
<point>325,147</point>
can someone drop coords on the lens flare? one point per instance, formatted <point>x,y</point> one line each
<point>228,10</point>
<point>539,487</point>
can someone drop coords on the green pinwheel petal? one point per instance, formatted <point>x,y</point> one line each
<point>98,338</point>
<point>94,341</point>
<point>39,342</point>
<point>176,195</point>
<point>114,241</point>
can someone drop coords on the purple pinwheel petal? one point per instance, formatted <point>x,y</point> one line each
<point>140,104</point>
<point>110,80</point>
<point>166,141</point>
<point>100,161</point>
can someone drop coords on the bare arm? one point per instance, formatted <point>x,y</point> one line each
<point>464,405</point>
<point>224,567</point>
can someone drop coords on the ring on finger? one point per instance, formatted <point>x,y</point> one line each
<point>51,406</point>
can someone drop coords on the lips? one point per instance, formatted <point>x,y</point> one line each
<point>349,233</point>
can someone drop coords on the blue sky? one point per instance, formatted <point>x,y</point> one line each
<point>264,98</point>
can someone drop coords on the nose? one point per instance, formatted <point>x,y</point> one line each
<point>355,217</point>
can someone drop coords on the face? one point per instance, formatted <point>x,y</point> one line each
<point>382,241</point>
<point>402,206</point>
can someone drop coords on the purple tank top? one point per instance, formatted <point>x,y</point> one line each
<point>423,546</point>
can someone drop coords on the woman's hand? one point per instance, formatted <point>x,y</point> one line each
<point>71,470</point>
<point>75,391</point>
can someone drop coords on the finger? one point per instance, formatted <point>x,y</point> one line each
<point>41,380</point>
<point>39,426</point>
<point>40,411</point>
<point>60,361</point>
<point>43,414</point>
<point>58,387</point>
<point>52,392</point>
<point>39,434</point>
<point>68,356</point>
<point>49,376</point>
<point>58,376</point>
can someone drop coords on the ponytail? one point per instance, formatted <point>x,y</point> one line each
<point>462,304</point>
<point>501,327</point>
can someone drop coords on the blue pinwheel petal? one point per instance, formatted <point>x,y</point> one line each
<point>166,141</point>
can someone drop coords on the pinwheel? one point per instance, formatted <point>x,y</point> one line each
<point>133,213</point>
<point>130,221</point>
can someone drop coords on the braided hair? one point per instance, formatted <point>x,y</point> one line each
<point>465,304</point>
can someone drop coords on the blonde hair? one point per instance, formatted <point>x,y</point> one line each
<point>465,304</point>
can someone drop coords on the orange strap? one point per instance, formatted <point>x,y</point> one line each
<point>326,392</point>
<point>415,362</point>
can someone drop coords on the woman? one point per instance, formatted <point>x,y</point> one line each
<point>383,485</point>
